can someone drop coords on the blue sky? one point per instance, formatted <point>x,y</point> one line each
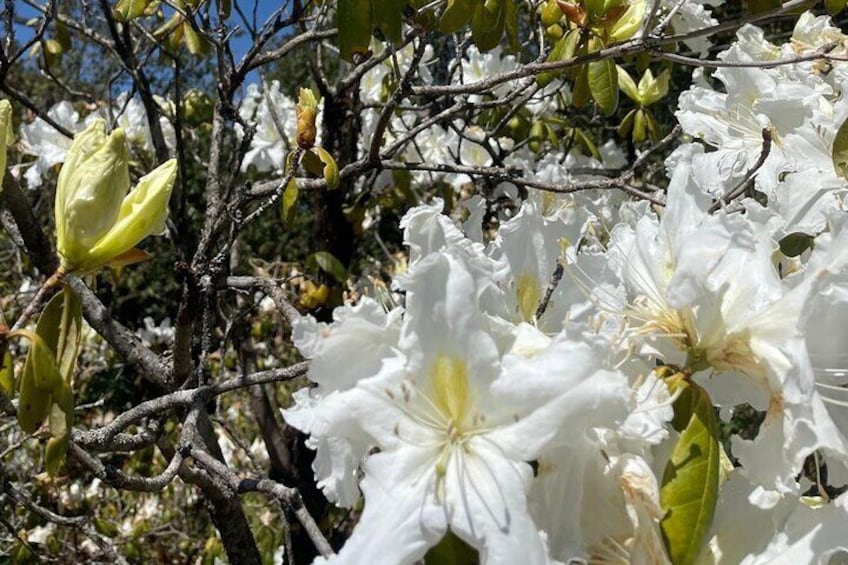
<point>240,43</point>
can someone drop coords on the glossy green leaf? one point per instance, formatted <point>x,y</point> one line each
<point>840,151</point>
<point>456,16</point>
<point>603,85</point>
<point>355,24</point>
<point>689,489</point>
<point>328,263</point>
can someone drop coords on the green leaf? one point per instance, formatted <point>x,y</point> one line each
<point>840,151</point>
<point>487,24</point>
<point>689,489</point>
<point>45,370</point>
<point>224,9</point>
<point>628,23</point>
<point>563,49</point>
<point>833,7</point>
<point>54,454</point>
<point>105,527</point>
<point>794,244</point>
<point>587,143</point>
<point>652,89</point>
<point>388,18</point>
<point>456,16</point>
<point>126,10</point>
<point>330,168</point>
<point>653,126</point>
<point>627,84</point>
<point>355,24</point>
<point>451,551</point>
<point>60,419</point>
<point>33,404</point>
<point>60,328</point>
<point>290,194</point>
<point>626,125</point>
<point>580,91</point>
<point>595,8</point>
<point>511,26</point>
<point>328,263</point>
<point>7,372</point>
<point>290,203</point>
<point>756,6</point>
<point>312,163</point>
<point>603,85</point>
<point>63,36</point>
<point>195,43</point>
<point>639,126</point>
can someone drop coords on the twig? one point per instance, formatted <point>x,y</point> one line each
<point>740,188</point>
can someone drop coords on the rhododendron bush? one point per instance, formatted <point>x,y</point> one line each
<point>410,281</point>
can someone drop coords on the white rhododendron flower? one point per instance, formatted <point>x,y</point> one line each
<point>49,146</point>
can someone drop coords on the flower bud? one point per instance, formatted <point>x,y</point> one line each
<point>96,220</point>
<point>6,136</point>
<point>306,111</point>
<point>91,186</point>
<point>143,212</point>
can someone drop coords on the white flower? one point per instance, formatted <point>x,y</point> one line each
<point>691,16</point>
<point>41,139</point>
<point>273,115</point>
<point>363,336</point>
<point>455,430</point>
<point>478,66</point>
<point>132,118</point>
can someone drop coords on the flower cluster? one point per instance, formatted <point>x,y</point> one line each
<point>520,397</point>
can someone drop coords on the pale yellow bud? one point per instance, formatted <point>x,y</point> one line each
<point>143,213</point>
<point>6,136</point>
<point>92,184</point>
